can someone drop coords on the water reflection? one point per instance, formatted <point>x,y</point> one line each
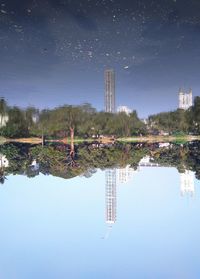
<point>128,195</point>
<point>117,176</point>
<point>113,178</point>
<point>59,160</point>
<point>111,196</point>
<point>187,183</point>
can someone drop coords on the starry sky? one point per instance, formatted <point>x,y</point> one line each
<point>55,52</point>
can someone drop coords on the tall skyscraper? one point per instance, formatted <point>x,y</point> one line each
<point>185,99</point>
<point>110,91</point>
<point>111,196</point>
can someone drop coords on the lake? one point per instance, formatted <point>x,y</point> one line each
<point>117,211</point>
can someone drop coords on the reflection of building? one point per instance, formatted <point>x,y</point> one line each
<point>147,161</point>
<point>186,178</point>
<point>187,183</point>
<point>3,120</point>
<point>124,109</point>
<point>185,99</point>
<point>3,161</point>
<point>35,165</point>
<point>111,196</point>
<point>124,175</point>
<point>110,91</point>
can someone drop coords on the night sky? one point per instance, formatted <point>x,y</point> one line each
<point>55,52</point>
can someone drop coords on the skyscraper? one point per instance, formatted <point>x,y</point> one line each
<point>185,99</point>
<point>111,196</point>
<point>110,91</point>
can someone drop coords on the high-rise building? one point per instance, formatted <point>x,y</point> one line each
<point>111,196</point>
<point>110,91</point>
<point>185,99</point>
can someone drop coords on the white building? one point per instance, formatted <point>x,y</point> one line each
<point>125,175</point>
<point>4,163</point>
<point>111,196</point>
<point>3,120</point>
<point>147,161</point>
<point>185,99</point>
<point>187,183</point>
<point>124,109</point>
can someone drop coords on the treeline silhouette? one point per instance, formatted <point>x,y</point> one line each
<point>84,121</point>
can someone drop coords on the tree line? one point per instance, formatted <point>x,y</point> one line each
<point>179,121</point>
<point>67,120</point>
<point>84,121</point>
<point>55,159</point>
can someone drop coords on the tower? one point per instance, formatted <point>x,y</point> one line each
<point>181,97</point>
<point>190,102</point>
<point>110,91</point>
<point>111,196</point>
<point>185,99</point>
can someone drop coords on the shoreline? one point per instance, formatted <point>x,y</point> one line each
<point>153,139</point>
<point>159,138</point>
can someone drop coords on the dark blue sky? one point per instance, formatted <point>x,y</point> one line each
<point>55,52</point>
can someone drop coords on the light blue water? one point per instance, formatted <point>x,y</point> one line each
<point>56,228</point>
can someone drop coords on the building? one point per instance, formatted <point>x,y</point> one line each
<point>4,163</point>
<point>125,175</point>
<point>124,109</point>
<point>185,99</point>
<point>187,183</point>
<point>3,120</point>
<point>111,196</point>
<point>110,91</point>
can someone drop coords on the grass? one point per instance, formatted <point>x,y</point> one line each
<point>181,139</point>
<point>2,140</point>
<point>178,139</point>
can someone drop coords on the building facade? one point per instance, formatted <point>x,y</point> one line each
<point>111,196</point>
<point>124,109</point>
<point>187,183</point>
<point>3,120</point>
<point>185,99</point>
<point>110,91</point>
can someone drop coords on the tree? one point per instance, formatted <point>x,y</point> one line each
<point>196,114</point>
<point>16,125</point>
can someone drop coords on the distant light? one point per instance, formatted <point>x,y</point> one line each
<point>126,67</point>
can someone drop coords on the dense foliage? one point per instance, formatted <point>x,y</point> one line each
<point>178,121</point>
<point>56,159</point>
<point>84,121</point>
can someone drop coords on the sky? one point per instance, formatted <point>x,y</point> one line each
<point>55,52</point>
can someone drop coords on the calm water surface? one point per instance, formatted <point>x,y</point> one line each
<point>118,223</point>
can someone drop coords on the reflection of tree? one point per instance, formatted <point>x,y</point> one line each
<point>183,157</point>
<point>68,161</point>
<point>71,156</point>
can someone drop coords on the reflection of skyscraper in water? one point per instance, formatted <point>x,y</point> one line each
<point>111,196</point>
<point>187,183</point>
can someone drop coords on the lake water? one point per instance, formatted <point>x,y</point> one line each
<point>119,221</point>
